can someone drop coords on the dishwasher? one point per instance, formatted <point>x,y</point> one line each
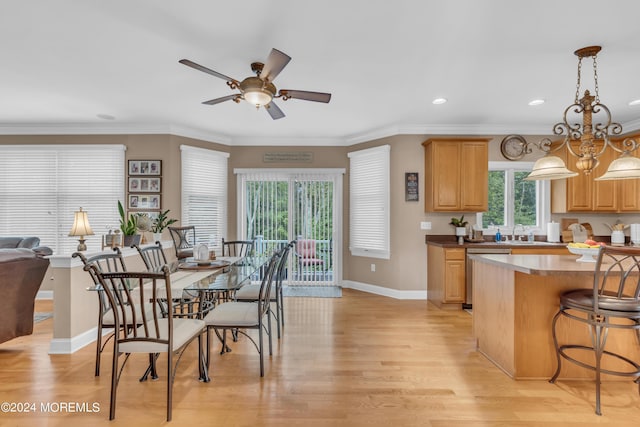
<point>469,270</point>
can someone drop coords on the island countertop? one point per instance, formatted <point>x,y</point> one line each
<point>540,265</point>
<point>515,298</point>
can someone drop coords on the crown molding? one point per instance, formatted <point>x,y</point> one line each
<point>218,138</point>
<point>287,141</point>
<point>437,129</point>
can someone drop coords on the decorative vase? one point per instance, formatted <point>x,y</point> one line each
<point>461,232</point>
<point>157,237</point>
<point>130,240</point>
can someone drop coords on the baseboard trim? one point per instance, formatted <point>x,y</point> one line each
<point>380,290</point>
<point>44,295</point>
<point>71,345</point>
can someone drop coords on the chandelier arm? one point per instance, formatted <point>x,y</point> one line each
<point>628,145</point>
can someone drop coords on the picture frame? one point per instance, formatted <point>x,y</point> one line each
<point>411,187</point>
<point>144,201</point>
<point>144,185</point>
<point>145,167</point>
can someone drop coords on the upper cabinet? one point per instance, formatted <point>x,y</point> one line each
<point>456,175</point>
<point>584,194</point>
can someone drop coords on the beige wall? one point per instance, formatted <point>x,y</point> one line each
<point>405,270</point>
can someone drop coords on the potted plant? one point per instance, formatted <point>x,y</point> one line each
<point>161,222</point>
<point>129,227</point>
<point>460,224</point>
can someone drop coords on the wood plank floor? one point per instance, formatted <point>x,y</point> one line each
<point>359,360</point>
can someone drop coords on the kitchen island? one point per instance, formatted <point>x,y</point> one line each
<point>514,300</point>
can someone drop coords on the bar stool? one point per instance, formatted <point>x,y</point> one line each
<point>612,303</point>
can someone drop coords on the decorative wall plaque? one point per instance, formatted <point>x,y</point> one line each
<point>288,157</point>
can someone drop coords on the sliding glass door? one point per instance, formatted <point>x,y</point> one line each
<point>277,206</point>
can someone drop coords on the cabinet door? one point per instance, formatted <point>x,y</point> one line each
<point>605,193</point>
<point>454,289</point>
<point>579,188</point>
<point>474,176</point>
<point>445,175</point>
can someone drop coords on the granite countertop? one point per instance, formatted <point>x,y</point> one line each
<point>541,265</point>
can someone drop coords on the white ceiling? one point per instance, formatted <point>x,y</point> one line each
<point>65,62</point>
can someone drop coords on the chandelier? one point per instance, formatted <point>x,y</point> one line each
<point>586,141</point>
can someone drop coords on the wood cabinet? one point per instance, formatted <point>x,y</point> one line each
<point>540,251</point>
<point>584,194</point>
<point>456,175</point>
<point>446,276</point>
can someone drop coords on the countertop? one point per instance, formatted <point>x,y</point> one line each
<point>451,242</point>
<point>541,265</point>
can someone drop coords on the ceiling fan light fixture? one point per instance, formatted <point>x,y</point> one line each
<point>257,97</point>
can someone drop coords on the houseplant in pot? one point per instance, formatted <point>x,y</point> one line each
<point>129,228</point>
<point>461,227</point>
<point>159,223</point>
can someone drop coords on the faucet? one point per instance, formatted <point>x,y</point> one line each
<point>517,227</point>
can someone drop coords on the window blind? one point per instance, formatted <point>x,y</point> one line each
<point>41,186</point>
<point>204,194</point>
<point>369,202</point>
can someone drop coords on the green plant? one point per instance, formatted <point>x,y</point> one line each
<point>129,226</point>
<point>458,222</point>
<point>161,222</point>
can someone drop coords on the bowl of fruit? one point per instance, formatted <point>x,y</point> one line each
<point>587,250</point>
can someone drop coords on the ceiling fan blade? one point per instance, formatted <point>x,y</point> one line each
<point>306,95</point>
<point>207,70</point>
<point>275,63</point>
<point>222,99</point>
<point>274,111</point>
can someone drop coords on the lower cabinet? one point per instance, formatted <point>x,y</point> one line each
<point>446,276</point>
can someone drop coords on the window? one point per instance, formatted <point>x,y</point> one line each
<point>41,186</point>
<point>204,194</point>
<point>513,200</point>
<point>369,202</point>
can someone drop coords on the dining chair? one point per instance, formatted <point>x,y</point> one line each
<point>251,292</point>
<point>237,248</point>
<point>612,303</point>
<point>184,239</point>
<point>239,316</point>
<point>106,262</point>
<point>154,260</point>
<point>157,332</point>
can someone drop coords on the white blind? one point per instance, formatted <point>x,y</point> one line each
<point>369,202</point>
<point>204,193</point>
<point>42,186</point>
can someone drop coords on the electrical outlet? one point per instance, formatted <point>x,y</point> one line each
<point>373,268</point>
<point>425,225</point>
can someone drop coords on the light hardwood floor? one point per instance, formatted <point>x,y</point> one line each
<point>360,360</point>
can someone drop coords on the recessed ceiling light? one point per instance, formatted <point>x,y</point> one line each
<point>536,102</point>
<point>439,101</point>
<point>105,116</point>
<point>635,102</point>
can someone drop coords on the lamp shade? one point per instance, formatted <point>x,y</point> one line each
<point>624,167</point>
<point>257,97</point>
<point>81,225</point>
<point>548,168</point>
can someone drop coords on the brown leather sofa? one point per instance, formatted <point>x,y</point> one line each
<point>21,273</point>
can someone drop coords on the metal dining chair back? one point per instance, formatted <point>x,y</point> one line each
<point>237,248</point>
<point>184,239</point>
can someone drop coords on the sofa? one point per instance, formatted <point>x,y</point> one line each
<point>22,270</point>
<point>30,242</point>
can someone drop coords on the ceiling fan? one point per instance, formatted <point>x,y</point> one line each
<point>260,90</point>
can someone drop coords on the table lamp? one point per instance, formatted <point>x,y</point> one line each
<point>81,228</point>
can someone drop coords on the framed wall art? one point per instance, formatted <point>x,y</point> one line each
<point>144,201</point>
<point>144,185</point>
<point>145,167</point>
<point>411,187</point>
